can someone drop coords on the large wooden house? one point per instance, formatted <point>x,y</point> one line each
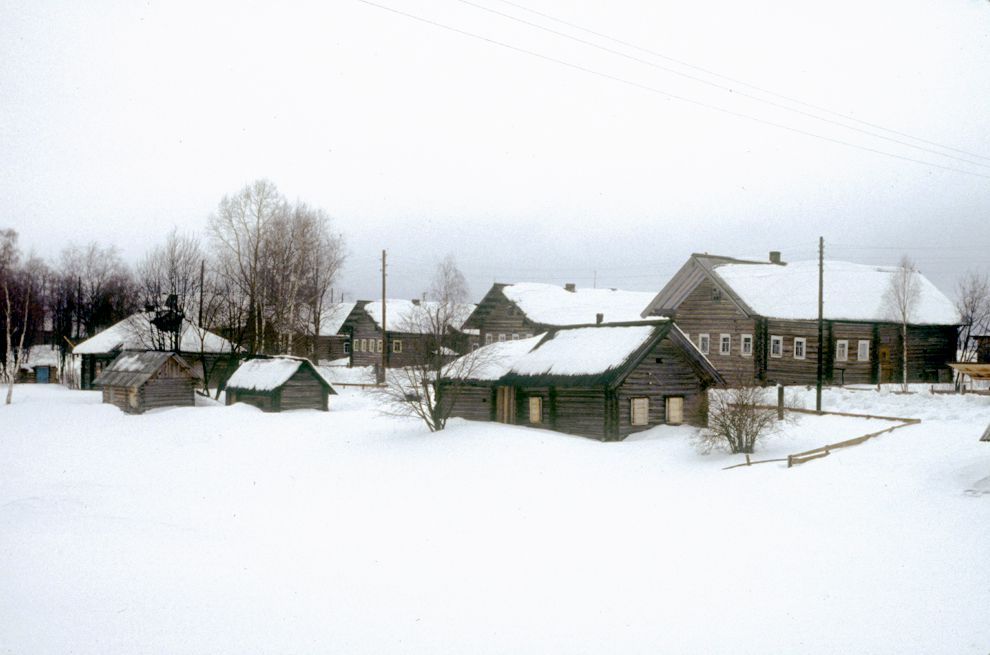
<point>138,381</point>
<point>411,335</point>
<point>604,381</point>
<point>207,352</point>
<point>518,311</point>
<point>758,321</point>
<point>279,383</point>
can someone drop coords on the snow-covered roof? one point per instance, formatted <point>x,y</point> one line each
<point>132,369</point>
<point>334,318</point>
<point>852,292</point>
<point>491,362</point>
<point>414,317</point>
<point>136,333</point>
<point>270,374</point>
<point>583,351</point>
<point>551,304</point>
<point>41,355</point>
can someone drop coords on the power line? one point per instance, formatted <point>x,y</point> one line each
<point>738,81</point>
<point>672,96</point>
<point>700,80</point>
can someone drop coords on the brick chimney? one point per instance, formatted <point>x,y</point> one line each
<point>570,286</point>
<point>599,317</point>
<point>775,257</point>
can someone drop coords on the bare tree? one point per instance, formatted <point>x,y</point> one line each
<point>325,263</point>
<point>900,301</point>
<point>973,304</point>
<point>105,291</point>
<point>169,277</point>
<point>415,390</point>
<point>20,287</point>
<point>738,418</point>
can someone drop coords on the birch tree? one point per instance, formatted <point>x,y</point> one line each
<point>900,301</point>
<point>973,304</point>
<point>19,284</point>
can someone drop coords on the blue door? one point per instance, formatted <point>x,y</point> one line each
<point>41,375</point>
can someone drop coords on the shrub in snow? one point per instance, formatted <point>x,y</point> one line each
<point>737,419</point>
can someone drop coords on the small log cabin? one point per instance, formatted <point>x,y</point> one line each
<point>279,384</point>
<point>42,365</point>
<point>518,311</point>
<point>758,321</point>
<point>207,352</point>
<point>411,335</point>
<point>138,381</point>
<point>604,381</point>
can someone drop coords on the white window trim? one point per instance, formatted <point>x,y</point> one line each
<point>704,343</point>
<point>724,344</point>
<point>845,343</point>
<point>397,346</point>
<point>671,400</point>
<point>743,338</point>
<point>780,340</point>
<point>859,350</point>
<point>489,338</point>
<point>804,347</point>
<point>535,403</point>
<point>501,338</point>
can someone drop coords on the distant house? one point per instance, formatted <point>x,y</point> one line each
<point>41,366</point>
<point>139,381</point>
<point>518,311</point>
<point>329,344</point>
<point>206,351</point>
<point>981,335</point>
<point>602,381</point>
<point>410,333</point>
<point>757,320</point>
<point>278,384</point>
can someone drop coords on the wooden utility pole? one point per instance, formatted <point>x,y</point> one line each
<point>381,375</point>
<point>821,323</point>
<point>202,277</point>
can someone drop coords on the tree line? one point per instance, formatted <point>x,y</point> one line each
<point>262,278</point>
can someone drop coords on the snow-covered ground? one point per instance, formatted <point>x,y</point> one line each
<point>225,530</point>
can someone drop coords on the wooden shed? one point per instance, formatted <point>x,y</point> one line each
<point>603,381</point>
<point>279,383</point>
<point>139,381</point>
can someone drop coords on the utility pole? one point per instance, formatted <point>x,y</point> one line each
<point>381,376</point>
<point>821,323</point>
<point>202,276</point>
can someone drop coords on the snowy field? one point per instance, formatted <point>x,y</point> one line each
<point>224,530</point>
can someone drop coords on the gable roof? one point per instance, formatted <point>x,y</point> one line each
<point>132,369</point>
<point>412,317</point>
<point>268,374</point>
<point>852,292</point>
<point>584,355</point>
<point>136,333</point>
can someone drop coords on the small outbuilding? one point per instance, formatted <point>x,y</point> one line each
<point>604,381</point>
<point>279,383</point>
<point>139,381</point>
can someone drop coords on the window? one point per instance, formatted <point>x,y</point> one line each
<point>535,409</point>
<point>704,342</point>
<point>800,343</point>
<point>397,346</point>
<point>776,346</point>
<point>725,344</point>
<point>528,335</point>
<point>362,345</point>
<point>379,346</point>
<point>347,347</point>
<point>716,295</point>
<point>488,338</point>
<point>841,350</point>
<point>475,345</point>
<point>501,338</point>
<point>675,410</point>
<point>515,337</point>
<point>746,345</point>
<point>639,411</point>
<point>863,350</point>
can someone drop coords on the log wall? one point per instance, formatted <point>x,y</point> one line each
<point>302,391</point>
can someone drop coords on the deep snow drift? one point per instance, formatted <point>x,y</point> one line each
<point>225,530</point>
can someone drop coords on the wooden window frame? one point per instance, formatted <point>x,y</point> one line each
<point>378,345</point>
<point>859,350</point>
<point>743,340</point>
<point>535,410</point>
<point>842,345</point>
<point>489,338</point>
<point>704,343</point>
<point>803,341</point>
<point>775,338</point>
<point>397,346</point>
<point>347,347</point>
<point>645,411</point>
<point>501,338</point>
<point>515,337</point>
<point>724,344</point>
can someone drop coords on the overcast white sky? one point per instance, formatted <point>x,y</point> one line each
<point>120,120</point>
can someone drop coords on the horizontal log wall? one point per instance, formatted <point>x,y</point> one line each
<point>262,401</point>
<point>167,392</point>
<point>303,391</point>
<point>581,411</point>
<point>523,394</point>
<point>504,318</point>
<point>470,402</point>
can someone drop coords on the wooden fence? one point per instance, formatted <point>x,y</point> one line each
<point>824,451</point>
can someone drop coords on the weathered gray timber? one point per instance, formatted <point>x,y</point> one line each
<point>137,382</point>
<point>657,366</point>
<point>769,349</point>
<point>279,384</point>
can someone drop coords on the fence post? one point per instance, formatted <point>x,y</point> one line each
<point>780,402</point>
